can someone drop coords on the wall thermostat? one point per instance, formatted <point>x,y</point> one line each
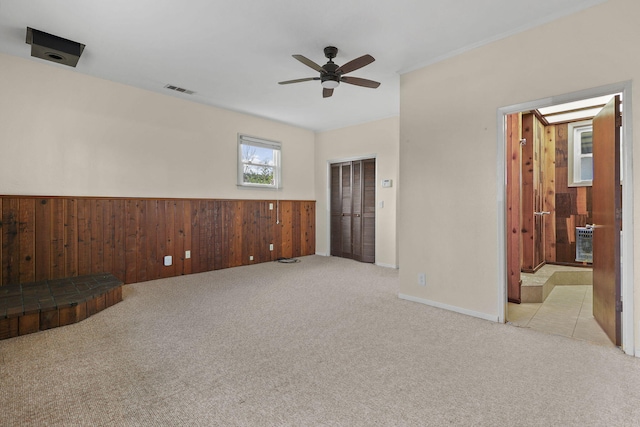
<point>386,183</point>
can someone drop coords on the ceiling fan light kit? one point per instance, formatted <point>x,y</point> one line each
<point>331,74</point>
<point>330,83</point>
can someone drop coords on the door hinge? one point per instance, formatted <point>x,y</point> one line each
<point>619,121</point>
<point>619,306</point>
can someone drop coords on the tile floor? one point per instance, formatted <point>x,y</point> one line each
<point>567,311</point>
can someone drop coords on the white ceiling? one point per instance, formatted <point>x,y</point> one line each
<point>232,53</point>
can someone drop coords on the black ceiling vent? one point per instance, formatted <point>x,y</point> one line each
<point>54,48</point>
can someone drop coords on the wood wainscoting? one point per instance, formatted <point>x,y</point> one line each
<point>45,238</point>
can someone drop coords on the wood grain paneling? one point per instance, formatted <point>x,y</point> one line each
<point>70,237</point>
<point>57,250</point>
<point>120,239</point>
<point>152,257</point>
<point>549,194</point>
<point>44,238</point>
<point>572,204</point>
<point>529,193</point>
<point>141,241</point>
<point>26,266</point>
<point>10,241</point>
<point>514,167</point>
<point>84,237</point>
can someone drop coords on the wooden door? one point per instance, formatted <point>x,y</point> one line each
<point>514,168</point>
<point>353,210</point>
<point>532,194</point>
<point>369,210</point>
<point>346,227</point>
<point>341,201</point>
<point>607,218</point>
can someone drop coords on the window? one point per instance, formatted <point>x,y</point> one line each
<point>580,153</point>
<point>258,162</point>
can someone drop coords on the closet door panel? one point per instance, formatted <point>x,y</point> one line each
<point>369,211</point>
<point>336,210</point>
<point>356,213</point>
<point>345,224</point>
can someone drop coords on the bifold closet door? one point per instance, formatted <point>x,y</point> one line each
<point>369,210</point>
<point>353,210</point>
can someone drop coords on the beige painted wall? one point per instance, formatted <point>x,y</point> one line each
<point>63,133</point>
<point>448,212</point>
<point>377,139</point>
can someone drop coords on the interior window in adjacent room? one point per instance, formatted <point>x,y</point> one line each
<point>580,153</point>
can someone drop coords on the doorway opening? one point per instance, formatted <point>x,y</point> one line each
<point>549,210</point>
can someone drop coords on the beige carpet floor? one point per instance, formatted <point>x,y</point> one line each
<point>324,342</point>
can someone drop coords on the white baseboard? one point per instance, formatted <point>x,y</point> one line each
<point>380,264</point>
<point>485,316</point>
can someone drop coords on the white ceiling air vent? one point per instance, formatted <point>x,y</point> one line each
<point>54,48</point>
<point>179,89</point>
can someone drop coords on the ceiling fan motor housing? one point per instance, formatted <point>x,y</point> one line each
<point>330,52</point>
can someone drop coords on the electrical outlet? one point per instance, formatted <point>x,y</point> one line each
<point>187,254</point>
<point>271,246</point>
<point>250,257</point>
<point>422,279</point>
<point>168,260</point>
<point>270,206</point>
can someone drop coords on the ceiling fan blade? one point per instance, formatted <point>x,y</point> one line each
<point>355,64</point>
<point>309,63</point>
<point>359,82</point>
<point>327,92</point>
<point>306,79</point>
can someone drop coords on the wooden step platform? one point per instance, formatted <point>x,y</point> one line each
<point>32,307</point>
<point>536,287</point>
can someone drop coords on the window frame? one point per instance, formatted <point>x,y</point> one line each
<point>575,153</point>
<point>275,146</point>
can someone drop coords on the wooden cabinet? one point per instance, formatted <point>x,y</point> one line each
<point>353,207</point>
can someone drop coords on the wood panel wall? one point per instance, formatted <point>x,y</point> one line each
<point>44,238</point>
<point>573,205</point>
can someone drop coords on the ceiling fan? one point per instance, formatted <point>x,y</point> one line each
<point>331,74</point>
